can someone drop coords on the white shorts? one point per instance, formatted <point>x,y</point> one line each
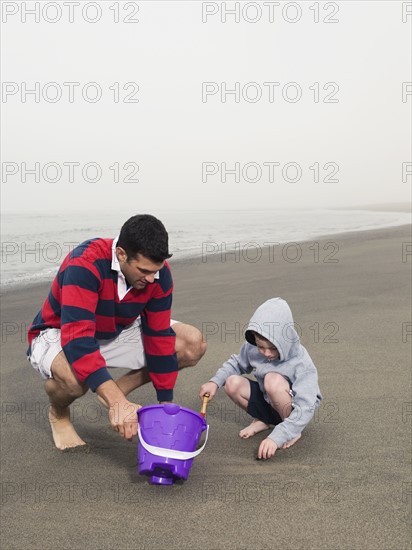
<point>125,351</point>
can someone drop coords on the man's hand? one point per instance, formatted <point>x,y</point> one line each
<point>267,449</point>
<point>122,413</point>
<point>123,418</point>
<point>210,388</point>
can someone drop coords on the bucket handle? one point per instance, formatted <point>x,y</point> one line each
<point>170,453</point>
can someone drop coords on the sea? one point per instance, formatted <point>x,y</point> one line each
<point>34,245</point>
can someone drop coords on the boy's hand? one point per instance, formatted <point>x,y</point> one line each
<point>267,449</point>
<point>210,388</point>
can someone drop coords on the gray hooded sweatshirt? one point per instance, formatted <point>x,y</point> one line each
<point>273,320</point>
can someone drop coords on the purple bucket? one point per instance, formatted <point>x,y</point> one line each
<point>168,436</point>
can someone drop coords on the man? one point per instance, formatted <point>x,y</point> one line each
<point>109,306</point>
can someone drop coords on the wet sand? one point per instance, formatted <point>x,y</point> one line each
<point>344,485</point>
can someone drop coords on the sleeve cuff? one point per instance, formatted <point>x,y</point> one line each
<point>164,395</point>
<point>218,382</point>
<point>98,377</point>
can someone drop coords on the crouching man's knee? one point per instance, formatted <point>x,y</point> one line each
<point>76,390</point>
<point>190,346</point>
<point>66,380</point>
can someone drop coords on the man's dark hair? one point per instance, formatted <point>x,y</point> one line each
<point>144,234</point>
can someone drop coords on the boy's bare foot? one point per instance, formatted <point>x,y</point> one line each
<point>64,434</point>
<point>291,442</point>
<point>253,429</point>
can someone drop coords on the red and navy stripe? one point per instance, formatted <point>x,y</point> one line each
<point>83,302</point>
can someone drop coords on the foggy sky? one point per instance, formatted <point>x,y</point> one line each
<point>351,123</point>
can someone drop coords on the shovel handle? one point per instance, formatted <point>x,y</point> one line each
<point>204,404</point>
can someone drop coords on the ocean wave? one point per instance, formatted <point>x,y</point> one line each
<point>33,246</point>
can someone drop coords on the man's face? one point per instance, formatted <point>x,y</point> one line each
<point>139,271</point>
<point>267,349</point>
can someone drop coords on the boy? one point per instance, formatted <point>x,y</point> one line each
<point>286,392</point>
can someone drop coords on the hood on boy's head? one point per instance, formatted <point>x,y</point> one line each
<point>273,320</point>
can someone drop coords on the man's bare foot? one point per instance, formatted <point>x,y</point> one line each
<point>64,434</point>
<point>291,442</point>
<point>254,428</point>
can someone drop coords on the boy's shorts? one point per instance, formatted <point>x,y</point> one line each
<point>125,351</point>
<point>259,408</point>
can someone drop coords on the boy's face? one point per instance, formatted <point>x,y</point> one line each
<point>266,348</point>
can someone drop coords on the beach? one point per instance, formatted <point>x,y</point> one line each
<point>345,485</point>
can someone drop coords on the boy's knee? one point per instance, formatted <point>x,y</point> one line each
<point>232,384</point>
<point>274,381</point>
